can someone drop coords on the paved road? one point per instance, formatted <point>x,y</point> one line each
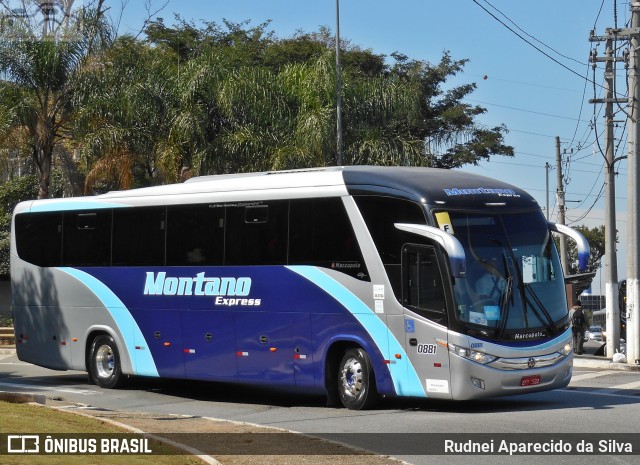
<point>597,401</point>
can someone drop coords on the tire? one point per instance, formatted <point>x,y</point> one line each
<point>105,367</point>
<point>356,381</point>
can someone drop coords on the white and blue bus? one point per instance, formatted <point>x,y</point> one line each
<point>356,282</point>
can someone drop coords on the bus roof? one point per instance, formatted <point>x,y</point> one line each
<point>449,188</point>
<point>433,186</point>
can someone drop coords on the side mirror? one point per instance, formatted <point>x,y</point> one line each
<point>451,245</point>
<point>581,243</point>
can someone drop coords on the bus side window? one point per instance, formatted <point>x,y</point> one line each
<point>39,238</point>
<point>423,290</point>
<point>321,235</point>
<point>139,236</point>
<point>257,234</point>
<point>87,238</point>
<point>380,214</point>
<point>195,235</point>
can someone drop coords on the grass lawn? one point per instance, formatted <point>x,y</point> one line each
<point>26,419</point>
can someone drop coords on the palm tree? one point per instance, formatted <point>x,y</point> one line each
<point>40,69</point>
<point>145,117</point>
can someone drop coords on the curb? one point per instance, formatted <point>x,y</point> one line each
<point>23,398</point>
<point>195,452</point>
<point>582,361</point>
<point>7,350</point>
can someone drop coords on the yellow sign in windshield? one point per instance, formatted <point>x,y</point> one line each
<point>444,222</point>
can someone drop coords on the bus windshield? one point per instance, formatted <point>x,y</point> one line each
<point>513,281</point>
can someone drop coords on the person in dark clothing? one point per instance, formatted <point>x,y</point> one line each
<point>579,326</point>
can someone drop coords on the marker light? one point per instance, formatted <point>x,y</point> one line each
<point>477,382</point>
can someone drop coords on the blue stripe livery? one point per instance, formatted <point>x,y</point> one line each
<point>405,379</point>
<point>141,360</point>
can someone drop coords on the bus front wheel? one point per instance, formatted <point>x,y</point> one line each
<point>356,381</point>
<point>105,363</point>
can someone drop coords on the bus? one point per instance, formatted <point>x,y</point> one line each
<point>356,282</point>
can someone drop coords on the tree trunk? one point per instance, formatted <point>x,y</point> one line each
<point>43,157</point>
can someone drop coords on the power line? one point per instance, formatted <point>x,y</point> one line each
<point>549,136</point>
<point>598,16</point>
<point>534,38</point>
<point>598,197</point>
<point>526,111</point>
<point>490,78</point>
<point>584,92</point>
<point>541,166</point>
<point>528,42</point>
<point>568,193</point>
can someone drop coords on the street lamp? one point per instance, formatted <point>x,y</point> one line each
<point>339,89</point>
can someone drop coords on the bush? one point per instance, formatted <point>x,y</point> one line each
<point>6,321</point>
<point>12,192</point>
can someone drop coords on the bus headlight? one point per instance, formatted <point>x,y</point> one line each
<point>469,354</point>
<point>567,349</point>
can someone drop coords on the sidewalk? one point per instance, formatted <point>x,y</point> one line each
<point>589,360</point>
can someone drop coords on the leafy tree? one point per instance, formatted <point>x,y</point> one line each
<point>123,98</point>
<point>11,193</point>
<point>451,135</point>
<point>242,45</point>
<point>39,68</point>
<point>231,97</point>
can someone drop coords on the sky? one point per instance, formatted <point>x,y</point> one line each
<point>538,96</point>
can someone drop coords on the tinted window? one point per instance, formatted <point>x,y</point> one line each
<point>39,238</point>
<point>87,238</point>
<point>380,214</point>
<point>321,234</point>
<point>423,286</point>
<point>138,236</point>
<point>257,234</point>
<point>195,235</point>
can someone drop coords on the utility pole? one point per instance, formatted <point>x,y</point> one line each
<point>611,260</point>
<point>560,199</point>
<point>610,256</point>
<point>633,292</point>
<point>339,89</point>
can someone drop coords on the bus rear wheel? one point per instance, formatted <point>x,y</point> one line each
<point>356,381</point>
<point>105,368</point>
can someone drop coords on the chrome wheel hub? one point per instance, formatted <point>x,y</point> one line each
<point>105,361</point>
<point>351,378</point>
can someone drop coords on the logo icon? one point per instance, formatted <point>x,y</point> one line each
<point>531,363</point>
<point>23,444</point>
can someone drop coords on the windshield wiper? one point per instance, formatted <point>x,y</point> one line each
<point>507,297</point>
<point>549,324</point>
<point>523,287</point>
<point>505,305</point>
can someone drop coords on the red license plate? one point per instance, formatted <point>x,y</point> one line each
<point>530,380</point>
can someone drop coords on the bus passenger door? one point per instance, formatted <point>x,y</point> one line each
<point>423,296</point>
